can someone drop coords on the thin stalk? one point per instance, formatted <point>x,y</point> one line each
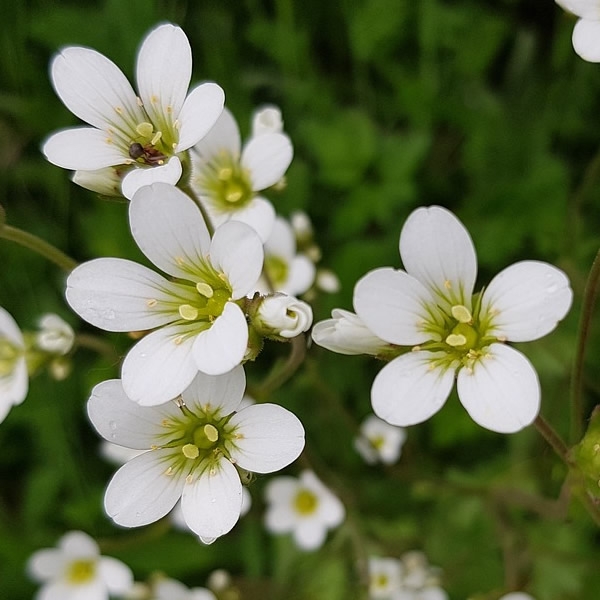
<point>38,245</point>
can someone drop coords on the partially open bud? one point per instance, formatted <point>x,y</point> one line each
<point>55,335</point>
<point>587,456</point>
<point>282,317</point>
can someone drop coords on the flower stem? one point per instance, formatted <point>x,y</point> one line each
<point>33,242</point>
<point>96,344</point>
<point>589,301</point>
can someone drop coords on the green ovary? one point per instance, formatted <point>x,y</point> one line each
<point>226,182</point>
<point>9,353</point>
<point>277,270</point>
<point>305,502</point>
<point>81,571</point>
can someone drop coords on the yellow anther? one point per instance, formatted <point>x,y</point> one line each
<point>176,124</point>
<point>109,140</point>
<point>151,302</point>
<point>462,314</point>
<point>212,472</point>
<point>156,137</point>
<point>234,196</point>
<point>188,312</point>
<point>204,289</point>
<point>169,109</point>
<point>211,432</point>
<point>169,471</point>
<point>178,340</point>
<point>154,99</point>
<point>145,129</point>
<point>189,479</point>
<point>190,451</point>
<point>456,339</point>
<point>118,110</point>
<point>225,173</point>
<point>447,284</point>
<point>179,260</point>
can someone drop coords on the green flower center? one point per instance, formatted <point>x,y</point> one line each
<point>277,270</point>
<point>305,502</point>
<point>9,354</point>
<point>149,147</point>
<point>81,571</point>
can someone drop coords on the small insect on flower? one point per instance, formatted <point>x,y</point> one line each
<point>148,154</point>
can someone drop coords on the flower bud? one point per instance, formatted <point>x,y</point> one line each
<point>282,317</point>
<point>55,335</point>
<point>267,120</point>
<point>587,456</point>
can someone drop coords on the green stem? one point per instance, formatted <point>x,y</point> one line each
<point>33,242</point>
<point>587,310</point>
<point>96,344</point>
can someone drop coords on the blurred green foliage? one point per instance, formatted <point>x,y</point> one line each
<point>482,107</point>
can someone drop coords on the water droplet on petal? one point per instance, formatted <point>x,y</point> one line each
<point>112,425</point>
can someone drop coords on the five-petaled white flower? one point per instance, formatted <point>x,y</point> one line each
<point>197,319</point>
<point>379,441</point>
<point>227,177</point>
<point>193,447</point>
<point>431,307</point>
<point>75,570</point>
<point>304,507</point>
<point>586,33</point>
<point>384,577</point>
<point>141,138</point>
<point>14,379</point>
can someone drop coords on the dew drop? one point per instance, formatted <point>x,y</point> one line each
<point>112,425</point>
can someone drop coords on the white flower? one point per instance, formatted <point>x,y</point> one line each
<point>140,137</point>
<point>282,316</point>
<point>517,596</point>
<point>431,308</point>
<point>285,270</point>
<point>197,319</point>
<point>75,570</point>
<point>171,589</point>
<point>267,119</point>
<point>193,448</point>
<point>379,441</point>
<point>14,380</point>
<point>327,281</point>
<point>304,507</point>
<point>55,336</point>
<point>227,177</point>
<point>345,333</point>
<point>384,577</point>
<point>586,34</point>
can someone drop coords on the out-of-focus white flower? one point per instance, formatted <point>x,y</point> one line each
<point>285,270</point>
<point>379,441</point>
<point>267,119</point>
<point>430,307</point>
<point>138,137</point>
<point>171,589</point>
<point>282,316</point>
<point>193,449</point>
<point>197,321</point>
<point>302,226</point>
<point>304,507</point>
<point>517,596</point>
<point>345,333</point>
<point>55,335</point>
<point>586,33</point>
<point>14,380</point>
<point>419,581</point>
<point>75,570</point>
<point>384,577</point>
<point>228,178</point>
<point>219,580</point>
<point>327,281</point>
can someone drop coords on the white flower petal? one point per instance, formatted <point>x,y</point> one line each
<point>163,72</point>
<point>13,387</point>
<point>116,575</point>
<point>282,241</point>
<point>267,157</point>
<point>121,421</point>
<point>82,148</point>
<point>93,88</point>
<point>199,113</point>
<point>281,490</point>
<point>391,304</point>
<point>408,391</point>
<point>221,392</point>
<point>310,535</point>
<point>437,249</point>
<point>9,329</point>
<point>222,347</point>
<point>586,39</point>
<point>237,251</point>
<point>170,173</point>
<point>224,136</point>
<point>301,276</point>
<point>211,505</point>
<point>115,294</point>
<point>258,214</point>
<point>527,300</point>
<point>102,181</point>
<point>159,367</point>
<point>271,438</point>
<point>169,229</point>
<point>77,544</point>
<point>46,564</point>
<point>502,393</point>
<point>62,590</point>
<point>143,490</point>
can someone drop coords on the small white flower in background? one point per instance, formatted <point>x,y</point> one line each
<point>586,33</point>
<point>281,317</point>
<point>141,138</point>
<point>193,448</point>
<point>420,580</point>
<point>284,270</point>
<point>517,596</point>
<point>379,441</point>
<point>55,335</point>
<point>345,333</point>
<point>430,308</point>
<point>14,379</point>
<point>219,580</point>
<point>197,320</point>
<point>267,119</point>
<point>327,281</point>
<point>171,589</point>
<point>227,177</point>
<point>304,507</point>
<point>384,577</point>
<point>75,570</point>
